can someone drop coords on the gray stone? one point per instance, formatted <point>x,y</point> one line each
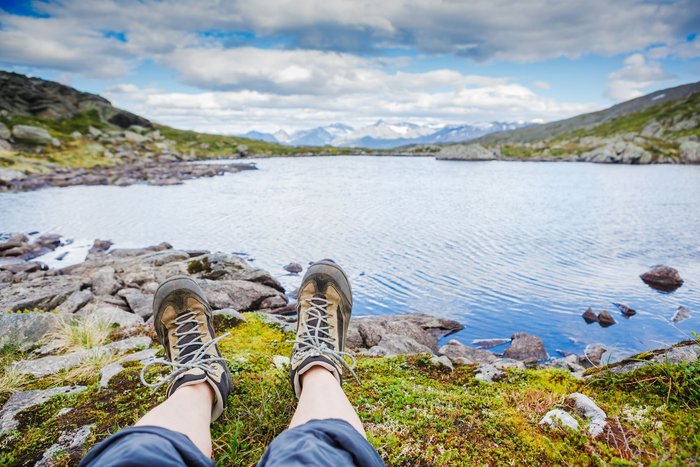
<point>43,292</point>
<point>488,373</point>
<point>232,316</point>
<point>570,363</point>
<point>594,352</point>
<point>525,348</point>
<point>441,361</point>
<point>488,343</point>
<point>113,369</point>
<point>75,301</point>
<point>70,442</point>
<point>467,152</point>
<point>24,400</point>
<point>7,175</point>
<point>294,268</point>
<point>25,329</point>
<point>280,361</point>
<point>76,135</point>
<point>94,132</point>
<point>139,302</point>
<point>135,138</point>
<point>686,353</point>
<point>164,257</point>
<point>4,131</point>
<point>237,294</point>
<point>28,134</point>
<point>5,147</point>
<point>681,314</point>
<point>588,409</point>
<point>286,324</point>
<point>460,354</point>
<point>392,345</point>
<point>105,282</point>
<point>690,152</point>
<point>53,364</point>
<point>605,319</point>
<point>111,314</point>
<point>557,417</point>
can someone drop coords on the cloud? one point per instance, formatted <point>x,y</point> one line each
<point>636,75</point>
<point>541,84</point>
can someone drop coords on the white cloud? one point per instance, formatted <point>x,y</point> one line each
<point>636,76</point>
<point>541,84</point>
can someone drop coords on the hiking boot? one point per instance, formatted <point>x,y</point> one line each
<point>324,307</point>
<point>183,323</point>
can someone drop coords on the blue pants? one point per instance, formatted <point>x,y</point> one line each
<point>318,442</point>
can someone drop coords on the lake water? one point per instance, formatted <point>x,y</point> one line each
<point>501,247</point>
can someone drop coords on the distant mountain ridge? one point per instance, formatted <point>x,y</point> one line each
<point>383,134</point>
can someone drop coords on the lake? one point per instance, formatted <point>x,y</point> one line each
<point>501,247</point>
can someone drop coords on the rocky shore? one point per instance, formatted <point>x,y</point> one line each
<point>74,340</point>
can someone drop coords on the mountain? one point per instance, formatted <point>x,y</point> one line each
<point>382,134</point>
<point>661,127</point>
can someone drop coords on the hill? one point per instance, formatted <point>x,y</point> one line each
<point>661,127</point>
<point>47,126</point>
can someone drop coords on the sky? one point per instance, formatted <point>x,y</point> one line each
<point>231,66</point>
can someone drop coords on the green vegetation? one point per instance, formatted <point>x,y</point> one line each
<point>415,413</point>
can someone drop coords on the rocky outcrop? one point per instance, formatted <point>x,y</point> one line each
<point>684,352</point>
<point>466,152</point>
<point>663,278</point>
<point>618,151</point>
<point>526,348</point>
<point>25,329</point>
<point>24,400</point>
<point>27,134</point>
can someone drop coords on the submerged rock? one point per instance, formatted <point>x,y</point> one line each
<point>294,268</point>
<point>526,348</point>
<point>681,314</point>
<point>589,316</point>
<point>625,310</point>
<point>605,319</point>
<point>663,278</point>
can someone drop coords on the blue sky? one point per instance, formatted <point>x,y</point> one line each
<point>233,66</point>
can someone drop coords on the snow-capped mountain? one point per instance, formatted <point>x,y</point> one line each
<point>383,135</point>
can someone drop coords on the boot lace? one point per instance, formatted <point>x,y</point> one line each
<point>199,359</point>
<point>316,339</point>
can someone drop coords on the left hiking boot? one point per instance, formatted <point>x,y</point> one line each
<point>183,324</point>
<point>324,307</point>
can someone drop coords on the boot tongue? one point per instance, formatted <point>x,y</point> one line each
<point>319,302</point>
<point>189,343</point>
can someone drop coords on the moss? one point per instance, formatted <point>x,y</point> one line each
<point>199,265</point>
<point>415,413</point>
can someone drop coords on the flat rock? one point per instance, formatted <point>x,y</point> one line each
<point>232,316</point>
<point>104,281</point>
<point>139,302</point>
<point>113,369</point>
<point>686,352</point>
<point>53,364</point>
<point>557,417</point>
<point>25,329</point>
<point>24,400</point>
<point>488,343</point>
<point>43,292</point>
<point>597,419</point>
<point>28,134</point>
<point>460,354</point>
<point>111,314</point>
<point>663,278</point>
<point>71,443</point>
<point>392,345</point>
<point>526,348</point>
<point>75,301</point>
<point>238,294</point>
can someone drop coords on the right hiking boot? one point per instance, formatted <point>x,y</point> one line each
<point>324,306</point>
<point>183,324</point>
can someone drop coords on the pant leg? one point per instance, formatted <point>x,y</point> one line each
<point>330,442</point>
<point>146,446</point>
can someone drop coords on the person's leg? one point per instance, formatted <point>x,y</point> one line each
<point>187,411</point>
<point>323,398</point>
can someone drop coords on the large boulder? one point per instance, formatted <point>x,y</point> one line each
<point>664,278</point>
<point>526,348</point>
<point>237,294</point>
<point>25,329</point>
<point>8,175</point>
<point>460,354</point>
<point>397,334</point>
<point>27,134</point>
<point>4,131</point>
<point>43,292</point>
<point>690,152</point>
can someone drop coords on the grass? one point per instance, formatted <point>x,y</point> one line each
<point>415,413</point>
<point>71,333</point>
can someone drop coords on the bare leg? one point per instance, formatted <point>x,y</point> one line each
<point>187,411</point>
<point>322,398</point>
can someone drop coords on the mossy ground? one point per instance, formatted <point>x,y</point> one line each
<point>415,413</point>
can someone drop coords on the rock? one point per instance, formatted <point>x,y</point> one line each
<point>396,334</point>
<point>441,361</point>
<point>167,256</point>
<point>43,292</point>
<point>28,134</point>
<point>94,132</point>
<point>570,363</point>
<point>71,443</point>
<point>137,129</point>
<point>525,348</point>
<point>557,417</point>
<point>24,268</point>
<point>286,324</point>
<point>460,354</point>
<point>588,409</point>
<point>618,151</point>
<point>488,343</point>
<point>105,282</point>
<point>687,352</point>
<point>273,303</point>
<point>111,314</point>
<point>75,301</point>
<point>280,362</point>
<point>466,152</point>
<point>232,316</point>
<point>594,352</point>
<point>4,131</point>
<point>488,373</point>
<point>113,369</point>
<point>5,148</point>
<point>681,314</point>
<point>237,294</point>
<point>294,268</point>
<point>135,137</point>
<point>27,399</point>
<point>25,329</point>
<point>53,364</point>
<point>605,319</point>
<point>589,316</point>
<point>76,135</point>
<point>8,175</point>
<point>625,310</point>
<point>664,278</point>
<point>690,152</point>
<point>100,246</point>
<point>139,302</point>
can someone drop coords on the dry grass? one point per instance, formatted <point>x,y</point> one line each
<point>79,333</point>
<point>11,380</point>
